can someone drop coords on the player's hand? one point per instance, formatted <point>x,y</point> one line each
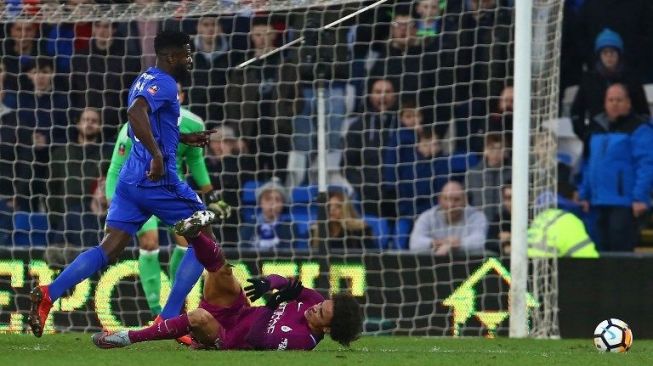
<point>156,169</point>
<point>215,203</point>
<point>196,139</point>
<point>288,293</point>
<point>258,288</point>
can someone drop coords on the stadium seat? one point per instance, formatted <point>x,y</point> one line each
<point>403,226</point>
<point>248,198</point>
<point>381,230</point>
<point>30,228</point>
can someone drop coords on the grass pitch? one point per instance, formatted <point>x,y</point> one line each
<point>77,349</point>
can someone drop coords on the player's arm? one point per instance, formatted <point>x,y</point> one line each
<point>118,159</point>
<point>197,167</point>
<point>140,124</point>
<point>261,286</point>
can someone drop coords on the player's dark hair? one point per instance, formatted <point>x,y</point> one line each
<point>347,322</point>
<point>170,40</point>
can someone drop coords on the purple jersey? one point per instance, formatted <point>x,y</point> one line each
<point>285,328</point>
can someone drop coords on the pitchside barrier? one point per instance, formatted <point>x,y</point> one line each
<point>464,299</point>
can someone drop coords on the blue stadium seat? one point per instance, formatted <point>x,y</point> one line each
<point>403,227</point>
<point>248,198</point>
<point>381,230</point>
<point>30,228</point>
<point>301,228</point>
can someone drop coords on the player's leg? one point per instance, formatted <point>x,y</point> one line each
<point>83,267</point>
<point>149,266</point>
<point>172,205</point>
<point>177,255</point>
<point>123,220</point>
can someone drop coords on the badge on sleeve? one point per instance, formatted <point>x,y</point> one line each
<point>153,89</point>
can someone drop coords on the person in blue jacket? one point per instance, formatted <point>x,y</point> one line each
<point>618,178</point>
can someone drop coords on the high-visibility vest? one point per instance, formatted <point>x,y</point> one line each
<point>557,232</point>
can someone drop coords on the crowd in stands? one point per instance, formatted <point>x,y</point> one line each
<point>418,101</point>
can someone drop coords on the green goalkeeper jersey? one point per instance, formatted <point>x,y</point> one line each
<point>187,156</point>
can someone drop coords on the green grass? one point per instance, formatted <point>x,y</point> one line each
<point>77,349</point>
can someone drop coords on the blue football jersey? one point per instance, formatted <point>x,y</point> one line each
<point>159,89</point>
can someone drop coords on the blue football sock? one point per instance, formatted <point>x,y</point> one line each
<point>190,270</point>
<point>85,265</point>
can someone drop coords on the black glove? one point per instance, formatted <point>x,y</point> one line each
<point>215,203</point>
<point>288,293</point>
<point>258,288</point>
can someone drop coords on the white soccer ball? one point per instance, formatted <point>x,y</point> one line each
<point>613,335</point>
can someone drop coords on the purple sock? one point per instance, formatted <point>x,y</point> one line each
<point>208,252</point>
<point>168,329</point>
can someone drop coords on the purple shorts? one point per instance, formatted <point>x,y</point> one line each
<point>235,322</point>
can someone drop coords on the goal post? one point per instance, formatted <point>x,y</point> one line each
<point>405,106</point>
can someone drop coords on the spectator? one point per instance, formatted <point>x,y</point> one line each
<point>608,69</point>
<point>632,19</point>
<point>41,108</point>
<point>212,58</point>
<point>345,230</point>
<point>450,227</point>
<point>228,170</point>
<point>19,52</point>
<point>472,129</point>
<point>62,40</point>
<point>261,102</point>
<point>618,179</point>
<point>140,34</point>
<point>367,141</point>
<point>407,60</point>
<point>272,230</point>
<point>498,237</point>
<point>75,170</point>
<point>102,75</point>
<point>428,23</point>
<point>484,180</point>
<point>423,171</point>
<point>488,35</point>
<point>8,141</point>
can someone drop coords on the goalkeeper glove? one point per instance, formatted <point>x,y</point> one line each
<point>288,293</point>
<point>217,205</point>
<point>258,288</point>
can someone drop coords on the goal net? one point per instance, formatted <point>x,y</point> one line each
<point>417,101</point>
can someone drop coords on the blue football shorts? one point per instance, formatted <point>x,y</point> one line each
<point>132,205</point>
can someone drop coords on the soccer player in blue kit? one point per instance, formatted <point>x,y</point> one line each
<point>148,183</point>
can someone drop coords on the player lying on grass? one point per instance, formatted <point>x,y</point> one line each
<point>148,183</point>
<point>294,318</point>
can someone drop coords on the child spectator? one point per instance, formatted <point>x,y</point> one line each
<point>484,180</point>
<point>271,230</point>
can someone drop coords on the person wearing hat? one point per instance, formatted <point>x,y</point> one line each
<point>609,69</point>
<point>272,229</point>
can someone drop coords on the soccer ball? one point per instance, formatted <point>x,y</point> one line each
<point>613,335</point>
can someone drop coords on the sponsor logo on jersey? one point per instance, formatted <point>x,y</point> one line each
<point>283,345</point>
<point>153,89</point>
<point>286,329</point>
<point>275,317</point>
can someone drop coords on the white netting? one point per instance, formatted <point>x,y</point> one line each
<point>410,105</point>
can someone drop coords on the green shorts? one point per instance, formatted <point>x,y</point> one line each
<point>151,224</point>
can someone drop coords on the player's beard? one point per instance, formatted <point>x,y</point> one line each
<point>181,73</point>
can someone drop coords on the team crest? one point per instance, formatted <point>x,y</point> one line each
<point>121,149</point>
<point>153,89</point>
